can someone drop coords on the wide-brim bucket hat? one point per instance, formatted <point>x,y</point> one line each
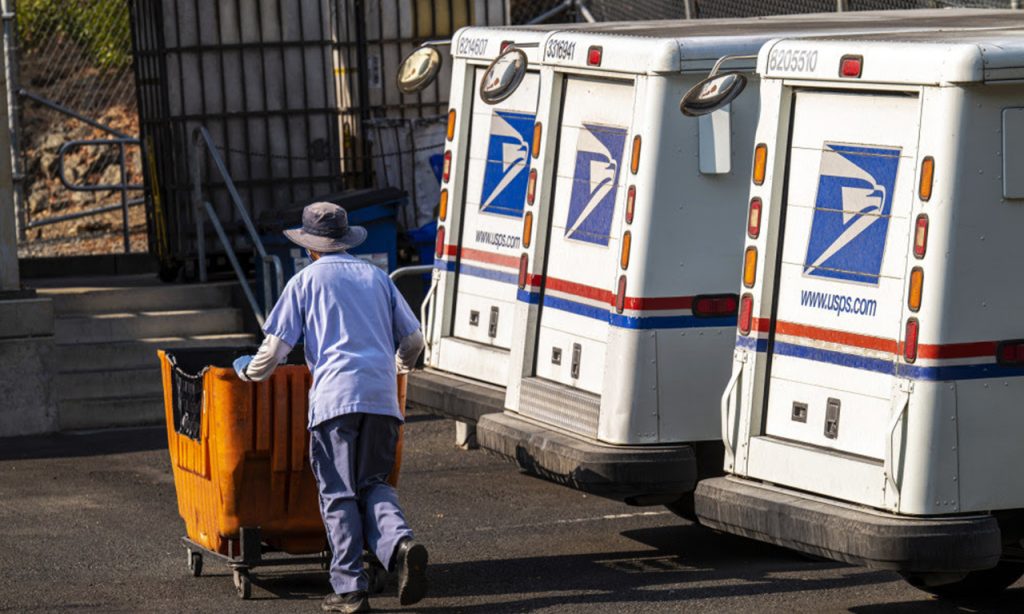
<point>325,229</point>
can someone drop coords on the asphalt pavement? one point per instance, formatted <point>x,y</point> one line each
<point>89,523</point>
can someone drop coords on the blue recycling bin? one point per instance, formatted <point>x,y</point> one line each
<point>423,241</point>
<point>374,209</point>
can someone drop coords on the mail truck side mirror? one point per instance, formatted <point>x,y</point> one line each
<point>712,94</point>
<point>503,75</point>
<point>419,69</point>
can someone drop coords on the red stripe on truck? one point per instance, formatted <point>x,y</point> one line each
<point>973,349</point>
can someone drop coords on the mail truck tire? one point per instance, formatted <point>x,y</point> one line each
<point>683,507</point>
<point>976,584</point>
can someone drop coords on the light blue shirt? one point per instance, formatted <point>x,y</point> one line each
<point>353,319</point>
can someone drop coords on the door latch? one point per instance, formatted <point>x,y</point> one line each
<point>577,351</point>
<point>474,318</point>
<point>799,412</point>
<point>832,418</point>
<point>492,327</point>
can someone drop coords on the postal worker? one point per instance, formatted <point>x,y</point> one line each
<point>357,331</point>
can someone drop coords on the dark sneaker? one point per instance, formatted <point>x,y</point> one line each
<point>411,566</point>
<point>355,601</point>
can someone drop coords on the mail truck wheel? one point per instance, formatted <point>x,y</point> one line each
<point>979,583</point>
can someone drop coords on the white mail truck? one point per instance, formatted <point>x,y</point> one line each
<point>489,156</point>
<point>875,409</point>
<point>487,160</point>
<point>630,236</point>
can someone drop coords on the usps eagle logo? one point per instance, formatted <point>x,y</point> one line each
<point>595,183</point>
<point>851,212</point>
<point>508,163</point>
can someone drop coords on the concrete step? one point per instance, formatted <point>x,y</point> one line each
<point>106,383</point>
<point>110,412</point>
<point>138,353</point>
<point>126,326</point>
<point>84,299</point>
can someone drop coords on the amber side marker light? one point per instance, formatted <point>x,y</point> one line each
<point>760,163</point>
<point>916,287</point>
<point>451,124</point>
<point>527,228</point>
<point>924,190</point>
<point>634,161</point>
<point>627,240</point>
<point>442,206</point>
<point>535,145</point>
<point>750,267</point>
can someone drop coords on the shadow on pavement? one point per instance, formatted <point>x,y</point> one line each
<point>84,443</point>
<point>688,562</point>
<point>1007,601</point>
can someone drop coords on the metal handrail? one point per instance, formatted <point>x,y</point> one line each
<point>233,259</point>
<point>419,269</point>
<point>121,140</point>
<point>201,139</point>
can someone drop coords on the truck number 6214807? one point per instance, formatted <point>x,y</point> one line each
<point>793,60</point>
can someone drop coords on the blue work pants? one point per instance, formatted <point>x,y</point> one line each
<point>351,456</point>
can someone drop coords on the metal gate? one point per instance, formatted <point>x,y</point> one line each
<point>77,162</point>
<point>284,87</point>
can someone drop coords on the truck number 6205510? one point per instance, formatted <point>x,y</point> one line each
<point>793,60</point>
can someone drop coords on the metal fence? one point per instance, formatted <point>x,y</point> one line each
<point>77,162</point>
<point>292,93</point>
<point>555,11</point>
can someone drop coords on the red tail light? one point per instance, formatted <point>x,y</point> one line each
<point>439,243</point>
<point>524,264</point>
<point>850,66</point>
<point>620,295</point>
<point>746,314</point>
<point>754,218</point>
<point>910,340</point>
<point>715,305</point>
<point>447,165</point>
<point>630,203</point>
<point>921,236</point>
<point>531,186</point>
<point>1010,352</point>
<point>594,56</point>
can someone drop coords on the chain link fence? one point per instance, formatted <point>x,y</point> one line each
<point>560,11</point>
<point>74,84</point>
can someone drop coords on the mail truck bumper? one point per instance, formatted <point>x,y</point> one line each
<point>848,533</point>
<point>639,475</point>
<point>454,397</point>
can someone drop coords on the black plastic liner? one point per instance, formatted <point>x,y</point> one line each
<point>188,366</point>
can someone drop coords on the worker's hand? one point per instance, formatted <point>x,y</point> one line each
<point>241,364</point>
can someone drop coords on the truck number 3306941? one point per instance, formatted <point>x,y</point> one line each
<point>793,60</point>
